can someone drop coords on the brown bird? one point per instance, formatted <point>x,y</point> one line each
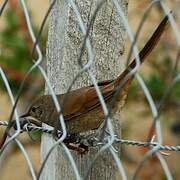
<point>81,109</point>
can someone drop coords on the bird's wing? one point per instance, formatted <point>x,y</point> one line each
<point>83,100</point>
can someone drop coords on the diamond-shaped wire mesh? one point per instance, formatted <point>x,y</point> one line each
<point>155,147</point>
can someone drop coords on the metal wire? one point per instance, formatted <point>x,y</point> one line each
<point>57,106</point>
<point>30,127</point>
<point>108,141</point>
<point>158,129</point>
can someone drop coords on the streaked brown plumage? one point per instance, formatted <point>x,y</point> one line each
<point>81,109</point>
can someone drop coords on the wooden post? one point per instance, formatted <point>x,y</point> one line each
<point>64,42</point>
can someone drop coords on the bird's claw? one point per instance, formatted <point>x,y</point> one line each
<point>161,152</point>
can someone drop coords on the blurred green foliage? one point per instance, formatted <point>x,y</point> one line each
<point>158,81</point>
<point>15,50</point>
<point>16,54</point>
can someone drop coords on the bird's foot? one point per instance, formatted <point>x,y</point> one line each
<point>72,142</point>
<point>89,140</point>
<point>78,147</point>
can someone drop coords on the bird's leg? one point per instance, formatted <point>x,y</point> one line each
<point>89,139</point>
<point>72,141</point>
<point>78,147</point>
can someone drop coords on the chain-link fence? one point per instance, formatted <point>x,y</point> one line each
<point>153,146</point>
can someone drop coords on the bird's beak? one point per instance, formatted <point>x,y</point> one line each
<point>24,115</point>
<point>24,119</point>
<point>31,119</point>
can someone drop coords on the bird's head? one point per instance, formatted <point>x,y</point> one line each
<point>35,110</point>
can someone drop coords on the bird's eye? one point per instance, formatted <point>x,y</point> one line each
<point>33,109</point>
<point>36,110</point>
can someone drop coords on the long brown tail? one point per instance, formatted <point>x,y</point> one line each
<point>147,49</point>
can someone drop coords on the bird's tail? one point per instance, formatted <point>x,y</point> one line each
<point>147,49</point>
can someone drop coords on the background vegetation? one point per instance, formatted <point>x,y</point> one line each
<point>15,59</point>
